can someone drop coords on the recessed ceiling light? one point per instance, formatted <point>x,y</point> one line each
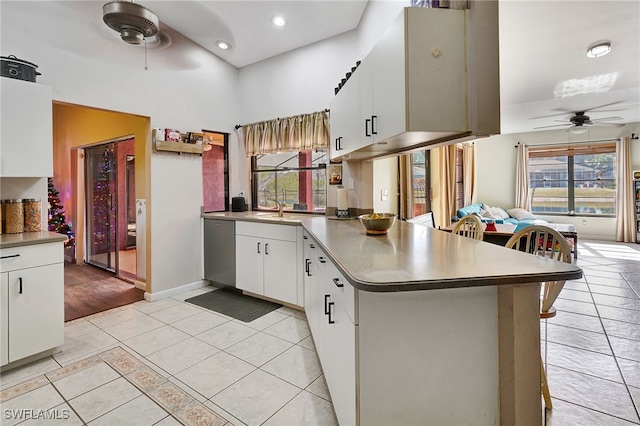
<point>598,50</point>
<point>278,21</point>
<point>223,45</point>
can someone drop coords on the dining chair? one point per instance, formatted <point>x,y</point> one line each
<point>425,219</point>
<point>543,241</point>
<point>469,226</point>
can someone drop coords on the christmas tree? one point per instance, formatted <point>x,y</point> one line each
<point>57,222</point>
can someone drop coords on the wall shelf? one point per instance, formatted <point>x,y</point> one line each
<point>178,147</point>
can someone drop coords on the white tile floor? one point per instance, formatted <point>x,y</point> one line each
<point>246,373</point>
<point>170,363</point>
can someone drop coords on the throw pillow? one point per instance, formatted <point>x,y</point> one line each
<point>486,214</point>
<point>499,213</point>
<point>520,214</point>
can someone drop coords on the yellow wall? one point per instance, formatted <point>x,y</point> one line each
<point>79,126</point>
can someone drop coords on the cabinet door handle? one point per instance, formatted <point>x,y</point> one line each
<point>366,127</point>
<point>340,143</point>
<point>306,266</point>
<point>321,259</point>
<point>304,237</point>
<point>20,289</point>
<point>266,248</point>
<point>259,247</point>
<point>312,246</point>
<point>374,118</point>
<point>10,256</point>
<point>326,306</point>
<point>331,321</point>
<point>337,282</point>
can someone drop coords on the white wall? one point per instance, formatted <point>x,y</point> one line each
<point>496,157</point>
<point>185,88</point>
<point>385,178</point>
<point>303,81</point>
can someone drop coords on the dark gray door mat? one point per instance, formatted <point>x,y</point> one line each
<point>233,303</point>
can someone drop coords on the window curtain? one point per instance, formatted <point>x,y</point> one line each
<point>406,186</point>
<point>625,209</point>
<point>290,134</point>
<point>469,173</point>
<point>522,178</point>
<point>446,185</point>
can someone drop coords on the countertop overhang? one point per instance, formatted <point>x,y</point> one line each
<point>30,238</point>
<point>413,257</point>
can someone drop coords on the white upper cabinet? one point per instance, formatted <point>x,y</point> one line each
<point>427,81</point>
<point>26,138</point>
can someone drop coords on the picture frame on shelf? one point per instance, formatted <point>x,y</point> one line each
<point>335,174</point>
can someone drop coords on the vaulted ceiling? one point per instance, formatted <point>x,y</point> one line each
<point>545,74</point>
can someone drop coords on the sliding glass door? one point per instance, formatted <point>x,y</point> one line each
<point>102,206</point>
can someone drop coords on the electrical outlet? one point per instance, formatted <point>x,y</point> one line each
<point>584,222</point>
<point>384,194</point>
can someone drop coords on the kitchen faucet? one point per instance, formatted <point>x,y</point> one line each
<point>281,205</point>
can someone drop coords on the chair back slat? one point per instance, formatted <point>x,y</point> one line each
<point>469,226</point>
<point>546,242</point>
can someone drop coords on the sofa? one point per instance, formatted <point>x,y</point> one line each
<point>515,216</point>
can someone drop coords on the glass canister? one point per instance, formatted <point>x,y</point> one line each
<point>14,216</point>
<point>32,214</point>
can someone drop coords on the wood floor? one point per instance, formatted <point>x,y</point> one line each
<point>89,290</point>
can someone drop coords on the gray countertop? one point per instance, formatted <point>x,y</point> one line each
<point>261,216</point>
<point>30,238</point>
<point>413,257</point>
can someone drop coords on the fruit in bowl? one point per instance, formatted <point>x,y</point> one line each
<point>377,223</point>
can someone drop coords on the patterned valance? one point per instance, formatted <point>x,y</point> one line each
<point>291,134</point>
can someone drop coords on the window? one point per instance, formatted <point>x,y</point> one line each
<point>459,176</point>
<point>420,178</point>
<point>299,179</point>
<point>573,180</point>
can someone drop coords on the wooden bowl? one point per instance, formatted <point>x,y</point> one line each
<point>378,224</point>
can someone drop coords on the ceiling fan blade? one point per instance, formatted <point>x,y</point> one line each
<point>560,112</point>
<point>563,121</point>
<point>599,124</point>
<point>607,118</point>
<point>602,106</point>
<point>555,125</point>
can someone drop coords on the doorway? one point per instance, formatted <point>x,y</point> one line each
<point>109,171</point>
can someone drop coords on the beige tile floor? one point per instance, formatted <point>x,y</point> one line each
<point>170,362</point>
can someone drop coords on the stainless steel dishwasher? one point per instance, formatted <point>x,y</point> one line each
<point>220,251</point>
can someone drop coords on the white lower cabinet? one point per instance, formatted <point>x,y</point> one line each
<point>333,330</point>
<point>31,301</point>
<point>267,260</point>
<point>337,335</point>
<point>4,318</point>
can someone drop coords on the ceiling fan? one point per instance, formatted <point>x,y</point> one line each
<point>580,121</point>
<point>136,24</point>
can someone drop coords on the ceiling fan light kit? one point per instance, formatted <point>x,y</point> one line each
<point>133,21</point>
<point>578,130</point>
<point>599,49</point>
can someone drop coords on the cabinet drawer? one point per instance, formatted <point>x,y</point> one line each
<point>275,232</point>
<point>342,291</point>
<point>15,258</point>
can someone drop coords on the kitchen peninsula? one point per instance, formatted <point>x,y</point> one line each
<point>421,326</point>
<point>444,329</point>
